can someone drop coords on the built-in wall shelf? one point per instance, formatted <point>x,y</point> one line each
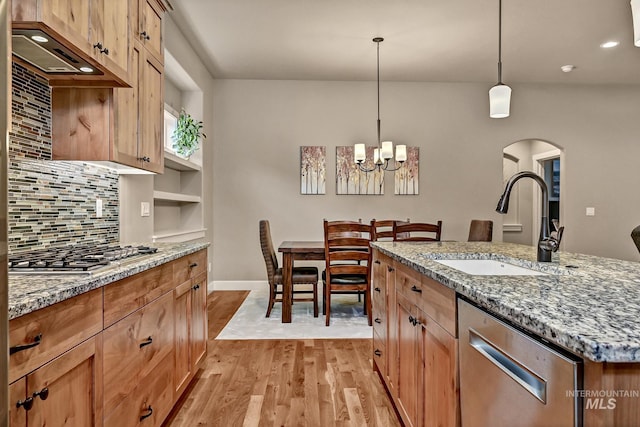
<point>179,235</point>
<point>176,197</point>
<point>178,163</point>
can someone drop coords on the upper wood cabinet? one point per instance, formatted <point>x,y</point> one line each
<point>95,30</point>
<point>122,125</point>
<point>149,29</point>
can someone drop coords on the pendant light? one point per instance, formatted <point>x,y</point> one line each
<point>500,94</point>
<point>635,13</point>
<point>384,152</point>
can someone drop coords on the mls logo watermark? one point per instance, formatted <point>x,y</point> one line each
<point>602,399</point>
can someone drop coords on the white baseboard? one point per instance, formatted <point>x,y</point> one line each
<point>237,285</point>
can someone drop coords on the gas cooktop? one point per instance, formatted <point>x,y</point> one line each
<point>79,259</point>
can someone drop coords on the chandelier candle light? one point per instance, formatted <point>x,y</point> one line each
<point>384,152</point>
<point>500,94</point>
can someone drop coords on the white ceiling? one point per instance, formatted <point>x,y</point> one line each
<point>425,40</point>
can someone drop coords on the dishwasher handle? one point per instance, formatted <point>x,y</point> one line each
<point>520,374</point>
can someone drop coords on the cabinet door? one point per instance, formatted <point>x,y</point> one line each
<point>109,35</point>
<point>17,396</point>
<point>408,361</point>
<point>150,143</point>
<point>182,310</point>
<point>440,353</point>
<point>150,28</point>
<point>70,18</point>
<point>199,319</point>
<point>69,388</point>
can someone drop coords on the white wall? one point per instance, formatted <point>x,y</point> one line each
<point>260,125</point>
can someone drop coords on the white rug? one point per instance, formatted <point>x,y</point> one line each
<point>250,323</point>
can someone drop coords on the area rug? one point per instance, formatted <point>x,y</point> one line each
<point>250,323</point>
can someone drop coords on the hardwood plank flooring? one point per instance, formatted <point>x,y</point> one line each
<point>314,383</point>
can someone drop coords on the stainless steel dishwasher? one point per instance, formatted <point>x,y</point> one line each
<point>510,379</point>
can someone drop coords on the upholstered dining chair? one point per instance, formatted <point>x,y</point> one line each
<point>480,230</point>
<point>347,263</point>
<point>383,228</point>
<point>417,232</point>
<point>307,276</point>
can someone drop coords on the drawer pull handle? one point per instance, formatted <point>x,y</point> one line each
<point>27,404</point>
<point>376,289</point>
<point>195,264</point>
<point>376,261</point>
<point>36,341</point>
<point>146,342</point>
<point>147,415</point>
<point>377,320</point>
<point>390,269</point>
<point>196,287</point>
<point>145,36</point>
<point>414,288</point>
<point>44,393</point>
<point>377,352</point>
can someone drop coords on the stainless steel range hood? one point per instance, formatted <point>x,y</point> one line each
<point>45,53</point>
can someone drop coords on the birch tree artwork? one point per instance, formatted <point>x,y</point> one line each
<point>351,180</point>
<point>406,178</point>
<point>313,169</point>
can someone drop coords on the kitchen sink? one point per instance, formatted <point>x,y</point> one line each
<point>488,267</point>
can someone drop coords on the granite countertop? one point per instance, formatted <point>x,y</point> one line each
<point>586,304</point>
<point>32,292</point>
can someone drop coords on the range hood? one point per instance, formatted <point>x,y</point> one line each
<point>45,53</point>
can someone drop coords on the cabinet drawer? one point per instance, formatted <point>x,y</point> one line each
<point>439,303</point>
<point>380,353</point>
<point>53,330</point>
<point>190,266</point>
<point>408,283</point>
<point>153,396</point>
<point>134,346</point>
<point>127,295</point>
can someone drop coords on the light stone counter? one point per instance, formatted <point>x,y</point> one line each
<point>32,292</point>
<point>586,304</point>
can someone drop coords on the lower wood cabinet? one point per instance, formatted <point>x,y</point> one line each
<point>421,370</point>
<point>65,391</point>
<point>190,329</point>
<point>67,369</point>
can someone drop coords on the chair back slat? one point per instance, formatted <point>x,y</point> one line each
<point>383,228</point>
<point>417,232</point>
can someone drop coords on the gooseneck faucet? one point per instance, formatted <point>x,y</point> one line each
<point>546,243</point>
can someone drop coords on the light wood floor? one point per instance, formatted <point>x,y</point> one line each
<point>282,382</point>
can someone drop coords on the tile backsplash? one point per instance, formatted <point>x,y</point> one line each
<point>52,203</point>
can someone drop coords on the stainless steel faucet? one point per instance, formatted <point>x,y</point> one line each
<point>546,242</point>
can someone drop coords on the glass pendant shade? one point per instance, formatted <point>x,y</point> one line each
<point>499,101</point>
<point>635,12</point>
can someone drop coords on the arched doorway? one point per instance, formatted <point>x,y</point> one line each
<point>522,222</point>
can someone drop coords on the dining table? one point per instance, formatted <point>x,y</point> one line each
<point>294,250</point>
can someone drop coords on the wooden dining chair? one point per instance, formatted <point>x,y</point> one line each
<point>480,230</point>
<point>383,228</point>
<point>347,263</point>
<point>307,276</point>
<point>417,232</point>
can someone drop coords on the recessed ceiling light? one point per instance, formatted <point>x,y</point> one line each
<point>86,69</point>
<point>609,44</point>
<point>39,39</point>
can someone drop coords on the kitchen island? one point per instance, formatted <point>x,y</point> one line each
<point>586,305</point>
<point>125,340</point>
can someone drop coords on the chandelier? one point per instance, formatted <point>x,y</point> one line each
<point>384,153</point>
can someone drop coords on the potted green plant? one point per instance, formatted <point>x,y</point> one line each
<point>186,135</point>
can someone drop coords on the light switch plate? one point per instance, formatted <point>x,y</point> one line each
<point>145,209</point>
<point>591,212</point>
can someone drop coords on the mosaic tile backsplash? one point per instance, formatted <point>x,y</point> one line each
<point>52,203</point>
